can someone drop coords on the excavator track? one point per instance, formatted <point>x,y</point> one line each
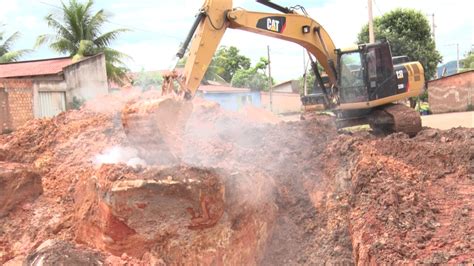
<point>395,118</point>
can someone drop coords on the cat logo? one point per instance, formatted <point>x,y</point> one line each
<point>275,24</point>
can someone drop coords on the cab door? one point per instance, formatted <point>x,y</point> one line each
<point>381,80</point>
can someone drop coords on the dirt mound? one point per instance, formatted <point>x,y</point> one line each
<point>18,183</point>
<point>410,199</point>
<point>243,191</point>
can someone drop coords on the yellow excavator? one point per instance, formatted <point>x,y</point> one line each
<point>361,84</point>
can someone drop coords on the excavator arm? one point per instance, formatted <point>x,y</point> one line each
<point>216,16</point>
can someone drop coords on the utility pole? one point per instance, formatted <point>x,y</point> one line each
<point>305,88</point>
<point>433,26</point>
<point>457,55</point>
<point>270,78</point>
<point>371,23</point>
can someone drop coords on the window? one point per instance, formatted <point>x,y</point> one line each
<point>351,70</point>
<point>352,82</point>
<point>371,64</point>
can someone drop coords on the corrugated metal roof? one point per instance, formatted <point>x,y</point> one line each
<point>34,68</point>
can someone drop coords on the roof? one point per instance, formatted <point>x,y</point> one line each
<point>294,86</point>
<point>282,83</point>
<point>221,89</point>
<point>34,67</point>
<point>453,75</point>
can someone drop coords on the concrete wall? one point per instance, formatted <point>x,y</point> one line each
<point>86,79</point>
<point>451,94</point>
<point>282,102</point>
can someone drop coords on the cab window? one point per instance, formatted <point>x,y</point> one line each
<point>351,70</point>
<point>352,83</point>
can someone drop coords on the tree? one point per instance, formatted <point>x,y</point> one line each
<point>224,64</point>
<point>253,77</point>
<point>147,80</point>
<point>79,34</point>
<point>227,61</point>
<point>310,78</point>
<point>8,55</point>
<point>409,33</point>
<point>468,62</point>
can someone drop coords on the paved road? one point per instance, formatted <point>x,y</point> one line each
<point>449,120</point>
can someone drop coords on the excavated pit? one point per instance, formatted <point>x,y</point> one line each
<point>281,193</point>
<point>181,215</point>
<point>19,183</point>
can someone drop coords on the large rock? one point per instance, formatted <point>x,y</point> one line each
<point>57,252</point>
<point>179,215</point>
<point>18,183</point>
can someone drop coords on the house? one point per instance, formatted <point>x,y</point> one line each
<point>453,93</point>
<point>284,98</point>
<point>290,86</point>
<point>44,88</point>
<point>229,98</point>
<point>281,102</point>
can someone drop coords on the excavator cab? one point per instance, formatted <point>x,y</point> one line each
<point>366,73</point>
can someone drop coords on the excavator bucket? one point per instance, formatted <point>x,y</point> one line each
<point>156,126</point>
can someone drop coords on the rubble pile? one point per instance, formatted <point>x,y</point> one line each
<point>237,191</point>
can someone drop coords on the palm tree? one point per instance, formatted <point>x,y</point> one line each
<point>6,53</point>
<point>79,34</point>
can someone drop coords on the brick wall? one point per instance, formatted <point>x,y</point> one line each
<point>451,94</point>
<point>19,102</point>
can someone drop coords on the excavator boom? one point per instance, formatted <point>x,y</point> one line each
<point>216,16</point>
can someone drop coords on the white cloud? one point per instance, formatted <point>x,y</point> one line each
<point>149,55</point>
<point>7,7</point>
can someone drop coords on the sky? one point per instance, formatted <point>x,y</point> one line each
<point>158,28</point>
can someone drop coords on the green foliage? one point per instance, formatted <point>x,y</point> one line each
<point>409,33</point>
<point>226,62</point>
<point>224,65</point>
<point>468,62</point>
<point>147,80</point>
<point>77,102</point>
<point>253,77</point>
<point>424,96</point>
<point>310,79</point>
<point>79,34</point>
<point>470,107</point>
<point>7,55</point>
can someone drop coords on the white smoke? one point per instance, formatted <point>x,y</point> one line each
<point>118,154</point>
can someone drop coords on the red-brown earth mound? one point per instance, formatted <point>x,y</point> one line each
<point>241,192</point>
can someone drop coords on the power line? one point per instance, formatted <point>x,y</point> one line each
<point>51,5</point>
<point>378,9</point>
<point>144,30</point>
